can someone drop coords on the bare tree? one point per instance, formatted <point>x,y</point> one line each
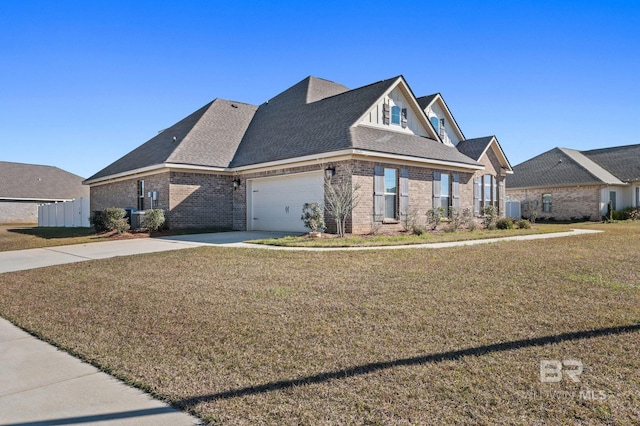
<point>341,197</point>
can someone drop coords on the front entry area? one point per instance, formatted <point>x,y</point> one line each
<point>275,204</point>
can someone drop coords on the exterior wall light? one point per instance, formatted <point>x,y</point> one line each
<point>329,172</point>
<point>236,183</point>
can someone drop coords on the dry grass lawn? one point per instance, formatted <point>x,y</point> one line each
<point>20,237</point>
<point>450,336</point>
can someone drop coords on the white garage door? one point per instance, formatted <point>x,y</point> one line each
<point>276,203</point>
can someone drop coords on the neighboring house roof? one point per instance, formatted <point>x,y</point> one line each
<point>31,182</point>
<point>621,161</point>
<point>559,167</point>
<point>597,171</point>
<point>313,117</point>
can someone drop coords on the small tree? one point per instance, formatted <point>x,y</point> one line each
<point>341,197</point>
<point>455,218</point>
<point>490,217</point>
<point>466,219</point>
<point>410,220</point>
<point>532,208</point>
<point>434,217</point>
<point>313,216</point>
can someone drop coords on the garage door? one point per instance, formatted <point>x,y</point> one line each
<point>276,203</point>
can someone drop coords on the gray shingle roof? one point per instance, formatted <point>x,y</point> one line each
<point>474,147</point>
<point>312,117</point>
<point>551,168</point>
<point>621,161</point>
<point>596,170</point>
<point>424,101</point>
<point>36,182</point>
<point>378,140</point>
<point>207,137</point>
<point>286,127</point>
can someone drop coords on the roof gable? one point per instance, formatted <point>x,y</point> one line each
<point>435,106</point>
<point>477,147</point>
<point>37,182</point>
<point>398,95</point>
<point>286,128</point>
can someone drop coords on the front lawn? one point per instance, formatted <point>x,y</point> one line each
<point>20,237</point>
<point>447,336</point>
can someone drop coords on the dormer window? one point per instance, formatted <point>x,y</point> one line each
<point>399,116</point>
<point>442,127</point>
<point>435,123</point>
<point>395,114</point>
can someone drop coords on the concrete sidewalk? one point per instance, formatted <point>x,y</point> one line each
<point>21,260</point>
<point>41,385</point>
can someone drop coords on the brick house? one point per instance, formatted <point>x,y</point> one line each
<point>565,183</point>
<point>24,186</point>
<point>246,167</point>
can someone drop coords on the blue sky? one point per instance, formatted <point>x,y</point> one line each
<point>83,83</point>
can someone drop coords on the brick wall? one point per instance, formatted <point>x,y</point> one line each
<point>199,200</point>
<point>190,200</point>
<point>566,203</point>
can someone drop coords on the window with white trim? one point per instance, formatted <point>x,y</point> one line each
<point>395,114</point>
<point>485,193</point>
<point>445,193</point>
<point>390,193</point>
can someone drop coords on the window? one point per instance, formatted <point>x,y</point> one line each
<point>485,193</point>
<point>487,190</point>
<point>546,203</point>
<point>390,193</point>
<point>395,114</point>
<point>612,199</point>
<point>637,196</point>
<point>445,193</point>
<point>141,195</point>
<point>442,127</point>
<point>435,123</point>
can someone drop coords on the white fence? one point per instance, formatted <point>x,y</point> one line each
<point>68,214</point>
<point>513,209</point>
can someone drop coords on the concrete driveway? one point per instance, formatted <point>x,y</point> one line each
<point>21,260</point>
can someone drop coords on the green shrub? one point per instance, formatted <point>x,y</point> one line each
<point>153,219</point>
<point>121,225</point>
<point>111,216</point>
<point>523,224</point>
<point>504,223</point>
<point>96,219</point>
